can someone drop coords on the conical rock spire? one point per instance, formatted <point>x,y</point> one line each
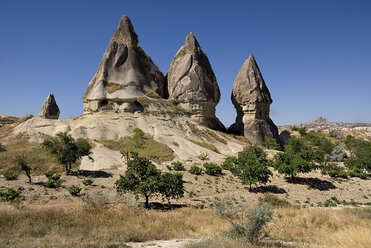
<point>251,98</point>
<point>124,73</point>
<point>49,109</point>
<point>192,82</point>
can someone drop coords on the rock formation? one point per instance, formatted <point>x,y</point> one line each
<point>49,109</point>
<point>124,73</point>
<point>251,98</point>
<point>192,82</point>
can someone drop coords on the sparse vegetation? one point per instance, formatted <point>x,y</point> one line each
<point>142,144</point>
<point>10,175</point>
<point>207,146</point>
<point>203,156</point>
<point>88,182</point>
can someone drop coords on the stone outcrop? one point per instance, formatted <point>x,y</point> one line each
<point>49,109</point>
<point>192,82</point>
<point>251,98</point>
<point>125,72</point>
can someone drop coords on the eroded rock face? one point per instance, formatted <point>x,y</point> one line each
<point>251,98</point>
<point>49,109</point>
<point>124,73</point>
<point>192,82</point>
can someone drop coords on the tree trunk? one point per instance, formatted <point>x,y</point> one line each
<point>29,178</point>
<point>250,187</point>
<point>147,201</point>
<point>67,171</point>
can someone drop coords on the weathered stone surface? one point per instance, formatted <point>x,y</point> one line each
<point>192,82</point>
<point>251,98</point>
<point>124,73</point>
<point>284,137</point>
<point>49,109</point>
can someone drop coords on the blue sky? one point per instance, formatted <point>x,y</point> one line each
<point>315,56</point>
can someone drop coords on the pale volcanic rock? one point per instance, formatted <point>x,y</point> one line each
<point>252,100</point>
<point>124,73</point>
<point>49,109</point>
<point>192,82</point>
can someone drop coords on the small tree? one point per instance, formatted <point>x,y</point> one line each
<point>271,144</point>
<point>66,149</point>
<point>171,185</point>
<point>252,166</point>
<point>23,165</point>
<point>141,178</point>
<point>297,158</point>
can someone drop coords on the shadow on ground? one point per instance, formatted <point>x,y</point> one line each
<point>269,189</point>
<point>313,183</point>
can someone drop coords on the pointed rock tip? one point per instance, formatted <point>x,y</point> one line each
<point>125,32</point>
<point>191,41</point>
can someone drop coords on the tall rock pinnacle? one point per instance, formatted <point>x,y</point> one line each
<point>251,98</point>
<point>49,109</point>
<point>124,73</point>
<point>192,82</point>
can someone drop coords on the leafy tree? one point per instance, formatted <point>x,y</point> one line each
<point>361,155</point>
<point>141,178</point>
<point>302,131</point>
<point>66,149</point>
<point>230,163</point>
<point>297,158</point>
<point>350,142</point>
<point>23,165</point>
<point>252,166</point>
<point>324,145</point>
<point>171,185</point>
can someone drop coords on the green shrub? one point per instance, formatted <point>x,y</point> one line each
<point>302,131</point>
<point>195,170</point>
<point>53,180</point>
<point>74,190</point>
<point>171,186</point>
<point>178,166</point>
<point>88,182</point>
<point>10,176</point>
<point>11,195</point>
<point>212,169</point>
<point>334,170</point>
<point>246,224</point>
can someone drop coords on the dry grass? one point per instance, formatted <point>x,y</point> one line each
<point>206,145</point>
<point>146,147</point>
<point>39,159</point>
<point>112,87</point>
<point>346,228</point>
<point>75,225</point>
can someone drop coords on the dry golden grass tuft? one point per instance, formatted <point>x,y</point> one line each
<point>112,87</point>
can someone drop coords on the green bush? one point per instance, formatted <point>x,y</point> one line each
<point>11,195</point>
<point>195,170</point>
<point>171,186</point>
<point>10,176</point>
<point>246,224</point>
<point>88,182</point>
<point>334,170</point>
<point>53,180</point>
<point>74,190</point>
<point>138,133</point>
<point>178,166</point>
<point>212,169</point>
<point>271,144</point>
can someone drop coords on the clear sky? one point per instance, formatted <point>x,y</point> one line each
<point>315,56</point>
